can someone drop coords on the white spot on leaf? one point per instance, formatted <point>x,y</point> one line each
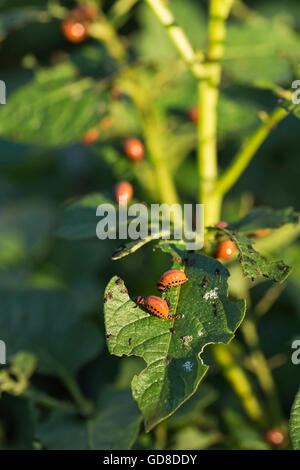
<point>212,294</point>
<point>188,366</point>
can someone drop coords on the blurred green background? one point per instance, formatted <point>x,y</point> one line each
<point>52,286</point>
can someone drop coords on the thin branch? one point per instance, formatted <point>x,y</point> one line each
<point>178,37</point>
<point>243,158</point>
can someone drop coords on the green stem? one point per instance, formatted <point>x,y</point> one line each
<point>262,372</point>
<point>208,96</point>
<point>46,401</point>
<point>178,37</point>
<point>157,152</point>
<point>243,158</point>
<point>103,31</point>
<point>240,383</point>
<point>84,405</point>
<point>207,146</point>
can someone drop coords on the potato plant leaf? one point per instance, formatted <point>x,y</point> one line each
<point>131,247</point>
<point>295,422</point>
<point>55,109</point>
<point>115,426</point>
<point>264,217</point>
<point>79,219</point>
<point>51,327</point>
<point>172,348</point>
<point>253,263</point>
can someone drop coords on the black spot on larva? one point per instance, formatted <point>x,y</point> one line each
<point>129,341</point>
<point>217,271</point>
<point>250,260</point>
<point>108,336</point>
<point>105,300</point>
<point>252,279</point>
<point>118,281</point>
<point>266,276</point>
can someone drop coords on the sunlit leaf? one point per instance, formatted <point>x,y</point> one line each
<point>174,367</point>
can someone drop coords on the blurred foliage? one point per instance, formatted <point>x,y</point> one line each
<point>71,392</point>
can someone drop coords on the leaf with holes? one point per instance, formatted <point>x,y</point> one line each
<point>172,348</point>
<point>262,218</point>
<point>253,263</point>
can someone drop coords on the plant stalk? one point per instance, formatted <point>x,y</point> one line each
<point>240,383</point>
<point>178,37</point>
<point>243,158</point>
<point>263,373</point>
<point>208,96</point>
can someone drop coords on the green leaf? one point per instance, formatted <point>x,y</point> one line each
<point>79,218</point>
<point>55,109</point>
<point>115,426</point>
<point>51,327</point>
<point>295,422</point>
<point>174,367</point>
<point>253,263</point>
<point>260,50</point>
<point>264,217</point>
<point>131,247</point>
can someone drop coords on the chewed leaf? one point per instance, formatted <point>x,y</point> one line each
<point>172,348</point>
<point>264,217</point>
<point>131,247</point>
<point>253,263</point>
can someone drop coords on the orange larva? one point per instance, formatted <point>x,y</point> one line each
<point>262,233</point>
<point>221,224</point>
<point>134,149</point>
<point>172,278</point>
<point>90,136</point>
<point>123,192</point>
<point>155,305</point>
<point>74,31</point>
<point>193,114</point>
<point>225,249</point>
